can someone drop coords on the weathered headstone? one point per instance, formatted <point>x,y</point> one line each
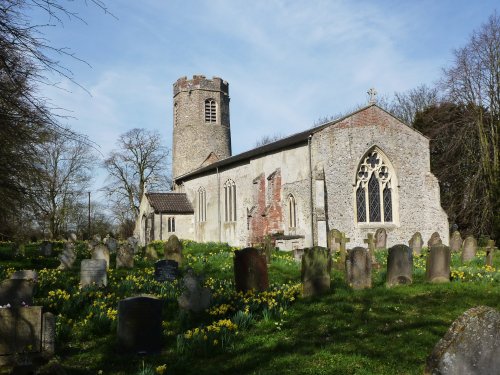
<point>111,244</point>
<point>93,271</point>
<point>359,268</point>
<point>470,346</point>
<point>194,297</point>
<point>268,247</point>
<point>25,275</point>
<point>139,324</point>
<point>17,292</point>
<point>166,270</point>
<point>297,254</point>
<point>20,330</point>
<point>342,242</point>
<point>399,265</point>
<point>416,242</point>
<point>72,237</point>
<point>125,257</point>
<point>45,249</point>
<point>68,256</point>
<point>456,241</point>
<point>434,240</point>
<point>380,239</point>
<point>250,270</point>
<point>151,253</point>
<point>48,333</point>
<point>315,274</point>
<point>173,249</point>
<point>370,242</point>
<point>490,250</point>
<point>469,249</point>
<point>101,252</point>
<point>134,243</point>
<point>332,243</point>
<point>438,264</point>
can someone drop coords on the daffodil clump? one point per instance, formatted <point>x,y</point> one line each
<point>475,274</point>
<point>217,335</point>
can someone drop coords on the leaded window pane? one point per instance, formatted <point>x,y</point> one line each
<point>374,199</point>
<point>361,204</point>
<point>387,204</point>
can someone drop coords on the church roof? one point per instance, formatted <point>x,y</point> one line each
<point>172,203</point>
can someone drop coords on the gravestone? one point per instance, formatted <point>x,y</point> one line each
<point>166,270</point>
<point>456,241</point>
<point>173,249</point>
<point>380,239</point>
<point>139,324</point>
<point>25,275</point>
<point>134,243</point>
<point>67,257</point>
<point>93,271</point>
<point>267,248</point>
<point>469,249</point>
<point>434,240</point>
<point>111,244</point>
<point>151,253</point>
<point>342,242</point>
<point>297,254</point>
<point>45,249</point>
<point>194,297</point>
<point>359,268</point>
<point>48,333</point>
<point>125,257</point>
<point>470,346</point>
<point>101,252</point>
<point>72,237</point>
<point>97,238</point>
<point>20,330</point>
<point>416,242</point>
<point>399,265</point>
<point>370,242</point>
<point>250,270</point>
<point>315,273</point>
<point>490,250</point>
<point>332,243</point>
<point>438,264</point>
<point>16,292</point>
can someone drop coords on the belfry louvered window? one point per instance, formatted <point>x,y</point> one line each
<point>210,110</point>
<point>374,189</point>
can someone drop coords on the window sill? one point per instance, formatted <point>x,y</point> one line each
<point>377,225</point>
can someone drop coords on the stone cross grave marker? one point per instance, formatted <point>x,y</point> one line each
<point>370,242</point>
<point>342,240</point>
<point>93,271</point>
<point>490,250</point>
<point>359,268</point>
<point>399,265</point>
<point>438,264</point>
<point>456,241</point>
<point>194,297</point>
<point>166,270</point>
<point>332,244</point>
<point>173,249</point>
<point>125,256</point>
<point>380,239</point>
<point>139,324</point>
<point>250,270</point>
<point>101,252</point>
<point>68,256</point>
<point>434,240</point>
<point>416,242</point>
<point>16,292</point>
<point>469,249</point>
<point>315,273</point>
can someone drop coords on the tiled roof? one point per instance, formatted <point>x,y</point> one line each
<point>172,203</point>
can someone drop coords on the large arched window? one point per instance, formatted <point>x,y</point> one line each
<point>292,211</point>
<point>210,110</point>
<point>230,200</point>
<point>375,182</point>
<point>202,205</point>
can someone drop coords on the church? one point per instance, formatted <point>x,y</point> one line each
<point>365,171</point>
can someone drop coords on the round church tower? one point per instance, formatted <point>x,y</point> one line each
<point>202,134</point>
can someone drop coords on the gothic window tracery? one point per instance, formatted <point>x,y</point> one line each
<point>210,110</point>
<point>374,190</point>
<point>230,200</point>
<point>202,205</point>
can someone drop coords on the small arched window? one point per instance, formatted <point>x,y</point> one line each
<point>374,189</point>
<point>210,110</point>
<point>292,211</point>
<point>202,205</point>
<point>230,200</point>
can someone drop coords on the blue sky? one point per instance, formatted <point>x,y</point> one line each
<point>288,63</point>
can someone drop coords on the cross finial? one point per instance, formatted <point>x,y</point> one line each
<point>373,95</point>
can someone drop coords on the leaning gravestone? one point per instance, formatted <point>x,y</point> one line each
<point>173,249</point>
<point>45,249</point>
<point>358,268</point>
<point>380,239</point>
<point>416,242</point>
<point>471,345</point>
<point>68,256</point>
<point>315,274</point>
<point>139,324</point>
<point>125,257</point>
<point>194,297</point>
<point>166,270</point>
<point>399,265</point>
<point>438,264</point>
<point>250,270</point>
<point>93,271</point>
<point>469,249</point>
<point>490,250</point>
<point>20,330</point>
<point>456,241</point>
<point>25,275</point>
<point>332,243</point>
<point>101,252</point>
<point>17,292</point>
<point>434,240</point>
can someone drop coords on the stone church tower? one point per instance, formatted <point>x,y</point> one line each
<point>202,133</point>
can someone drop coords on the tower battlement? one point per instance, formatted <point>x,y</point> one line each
<point>200,82</point>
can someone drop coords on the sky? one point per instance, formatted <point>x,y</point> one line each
<point>288,63</point>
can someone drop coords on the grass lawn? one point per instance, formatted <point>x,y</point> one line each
<point>375,331</point>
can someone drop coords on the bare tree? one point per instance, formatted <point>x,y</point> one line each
<point>405,105</point>
<point>266,139</point>
<point>139,161</point>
